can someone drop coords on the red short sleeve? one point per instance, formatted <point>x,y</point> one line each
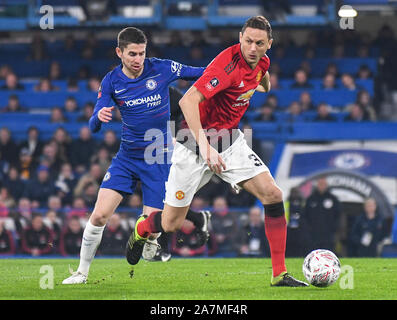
<point>213,80</point>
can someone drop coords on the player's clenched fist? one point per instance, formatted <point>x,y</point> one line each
<point>105,114</point>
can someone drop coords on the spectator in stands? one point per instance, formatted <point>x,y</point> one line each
<point>7,243</point>
<point>329,82</point>
<point>37,239</point>
<point>365,102</point>
<point>88,109</point>
<point>70,239</point>
<point>348,81</point>
<point>274,81</point>
<point>294,111</point>
<point>50,158</point>
<point>55,71</point>
<point>275,69</point>
<point>8,148</point>
<point>84,73</point>
<point>110,142</point>
<point>5,69</point>
<point>305,101</point>
<point>333,69</point>
<point>45,85</point>
<point>79,208</point>
<point>338,51</point>
<point>135,201</point>
<point>252,238</point>
<point>321,213</point>
<point>368,231</point>
<point>54,203</point>
<point>114,237</point>
<point>363,51</point>
<point>225,227</point>
<point>87,53</point>
<point>13,105</point>
<point>13,183</point>
<point>198,39</point>
<point>22,217</point>
<point>324,113</point>
<point>57,116</point>
<point>241,199</point>
<point>297,233</point>
<point>69,43</point>
<point>310,53</point>
<point>196,56</point>
<point>266,114</point>
<point>356,113</point>
<point>72,85</point>
<point>185,242</point>
<point>12,82</point>
<point>91,179</point>
<point>93,84</point>
<point>65,183</point>
<point>33,143</point>
<point>175,39</point>
<point>301,80</point>
<point>198,203</point>
<point>102,157</point>
<point>272,101</point>
<point>40,188</point>
<point>63,141</point>
<point>6,198</point>
<point>38,48</point>
<point>82,149</point>
<point>4,211</point>
<point>26,165</point>
<point>306,66</point>
<point>52,222</point>
<point>364,72</point>
<point>71,105</point>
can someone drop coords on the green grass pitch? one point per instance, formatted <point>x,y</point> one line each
<point>190,279</point>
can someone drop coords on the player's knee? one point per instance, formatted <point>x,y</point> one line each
<point>99,218</point>
<point>272,194</point>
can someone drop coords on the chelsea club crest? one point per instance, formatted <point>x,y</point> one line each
<point>151,84</point>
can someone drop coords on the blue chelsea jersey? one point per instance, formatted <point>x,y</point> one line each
<point>143,103</point>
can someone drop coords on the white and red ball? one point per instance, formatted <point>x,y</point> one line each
<point>321,268</point>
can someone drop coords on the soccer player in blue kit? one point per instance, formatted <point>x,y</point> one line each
<point>139,86</point>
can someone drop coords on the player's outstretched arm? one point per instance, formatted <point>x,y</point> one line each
<point>190,108</point>
<point>264,85</point>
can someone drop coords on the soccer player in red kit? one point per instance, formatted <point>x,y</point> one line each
<point>213,144</point>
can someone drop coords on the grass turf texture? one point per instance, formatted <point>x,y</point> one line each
<point>190,279</point>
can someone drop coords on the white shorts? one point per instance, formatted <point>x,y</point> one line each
<point>189,172</point>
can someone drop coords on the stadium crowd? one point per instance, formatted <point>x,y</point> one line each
<point>49,186</point>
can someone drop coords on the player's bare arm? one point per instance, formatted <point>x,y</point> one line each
<point>264,85</point>
<point>190,108</point>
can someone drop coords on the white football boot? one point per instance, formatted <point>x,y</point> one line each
<point>75,278</point>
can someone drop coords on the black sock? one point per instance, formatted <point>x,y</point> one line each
<point>196,218</point>
<point>163,242</point>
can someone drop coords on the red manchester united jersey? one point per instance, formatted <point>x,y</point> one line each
<point>228,83</point>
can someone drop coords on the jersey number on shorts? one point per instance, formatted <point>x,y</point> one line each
<point>258,162</point>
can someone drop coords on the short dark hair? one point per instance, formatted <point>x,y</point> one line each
<point>258,22</point>
<point>130,35</point>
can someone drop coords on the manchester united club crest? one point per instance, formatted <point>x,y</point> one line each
<point>179,195</point>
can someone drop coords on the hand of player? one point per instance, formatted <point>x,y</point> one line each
<point>105,114</point>
<point>213,158</point>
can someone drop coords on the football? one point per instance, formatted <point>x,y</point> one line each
<point>321,268</point>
